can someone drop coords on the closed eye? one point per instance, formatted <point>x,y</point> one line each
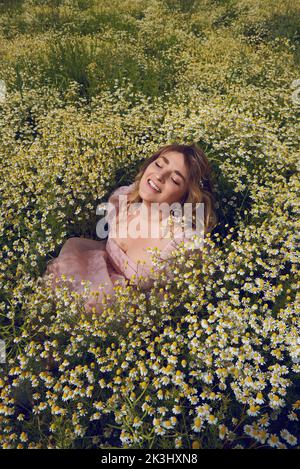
<point>177,183</point>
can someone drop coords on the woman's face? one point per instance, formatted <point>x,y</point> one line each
<point>165,179</point>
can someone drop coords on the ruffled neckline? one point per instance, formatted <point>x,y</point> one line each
<point>133,264</point>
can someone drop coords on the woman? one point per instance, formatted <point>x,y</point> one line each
<point>176,173</point>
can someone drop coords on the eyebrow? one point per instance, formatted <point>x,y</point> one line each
<point>175,170</point>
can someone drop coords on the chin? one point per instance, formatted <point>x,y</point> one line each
<point>146,194</point>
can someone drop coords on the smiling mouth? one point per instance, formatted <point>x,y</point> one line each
<point>153,185</point>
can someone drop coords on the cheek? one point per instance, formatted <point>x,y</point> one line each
<point>176,189</point>
<point>175,193</point>
<point>146,174</point>
<point>144,177</point>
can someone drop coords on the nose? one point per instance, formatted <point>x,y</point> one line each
<point>160,177</point>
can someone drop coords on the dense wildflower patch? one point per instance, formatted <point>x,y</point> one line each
<point>212,358</point>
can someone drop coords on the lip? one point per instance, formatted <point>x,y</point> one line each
<point>153,190</point>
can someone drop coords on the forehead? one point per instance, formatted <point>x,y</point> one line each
<point>176,160</point>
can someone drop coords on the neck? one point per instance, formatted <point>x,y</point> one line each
<point>147,209</point>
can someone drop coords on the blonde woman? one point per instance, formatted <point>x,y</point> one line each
<point>176,174</point>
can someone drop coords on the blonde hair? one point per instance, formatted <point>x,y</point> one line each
<point>199,186</point>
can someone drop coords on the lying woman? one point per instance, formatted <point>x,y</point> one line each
<point>176,173</point>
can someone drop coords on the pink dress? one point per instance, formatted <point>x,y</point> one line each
<point>103,263</point>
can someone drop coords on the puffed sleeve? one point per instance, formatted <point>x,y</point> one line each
<point>114,201</point>
<point>122,190</point>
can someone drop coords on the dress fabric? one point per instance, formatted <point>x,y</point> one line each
<point>103,263</point>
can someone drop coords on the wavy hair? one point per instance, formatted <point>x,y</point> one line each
<point>200,181</point>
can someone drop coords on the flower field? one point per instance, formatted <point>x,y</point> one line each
<point>89,89</point>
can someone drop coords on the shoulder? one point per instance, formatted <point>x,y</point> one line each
<point>193,239</point>
<point>189,238</point>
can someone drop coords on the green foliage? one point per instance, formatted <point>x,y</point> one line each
<point>185,6</point>
<point>211,360</point>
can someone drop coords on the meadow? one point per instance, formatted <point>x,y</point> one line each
<point>90,88</point>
